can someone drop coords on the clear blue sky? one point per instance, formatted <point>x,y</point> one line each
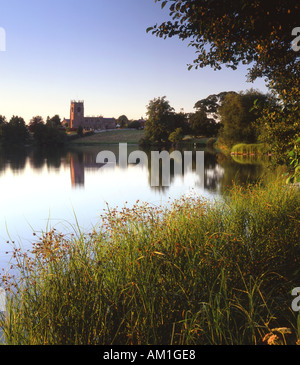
<point>98,51</point>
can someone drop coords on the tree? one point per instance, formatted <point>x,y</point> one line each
<point>254,32</point>
<point>34,121</point>
<point>206,120</point>
<point>55,121</point>
<point>48,135</point>
<point>176,136</point>
<point>2,125</point>
<point>2,119</point>
<point>123,121</point>
<point>257,32</point>
<point>180,120</point>
<point>238,117</point>
<point>211,104</point>
<point>15,131</point>
<point>279,128</point>
<point>135,124</point>
<point>202,125</point>
<point>160,120</point>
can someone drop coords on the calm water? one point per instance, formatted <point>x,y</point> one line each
<point>58,188</point>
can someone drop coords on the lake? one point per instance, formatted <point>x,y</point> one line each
<point>63,188</point>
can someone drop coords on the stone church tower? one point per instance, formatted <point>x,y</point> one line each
<point>78,119</point>
<point>77,114</point>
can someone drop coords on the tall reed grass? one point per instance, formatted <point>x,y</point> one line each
<point>194,273</point>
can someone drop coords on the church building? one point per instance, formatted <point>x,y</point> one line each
<point>78,119</point>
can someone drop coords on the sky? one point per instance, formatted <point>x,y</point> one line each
<point>98,51</point>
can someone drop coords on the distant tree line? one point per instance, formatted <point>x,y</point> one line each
<point>13,132</point>
<point>48,133</point>
<point>39,132</point>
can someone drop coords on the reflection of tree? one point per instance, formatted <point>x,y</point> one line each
<point>13,158</point>
<point>37,159</point>
<point>160,188</point>
<point>211,172</point>
<point>54,158</point>
<point>2,162</point>
<point>239,173</point>
<point>219,171</point>
<point>40,157</point>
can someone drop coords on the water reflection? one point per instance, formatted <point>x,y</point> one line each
<point>220,172</point>
<point>64,187</point>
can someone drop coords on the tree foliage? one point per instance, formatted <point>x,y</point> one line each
<point>34,122</point>
<point>212,103</point>
<point>160,117</point>
<point>162,121</point>
<point>258,33</point>
<point>239,118</point>
<point>123,121</point>
<point>55,121</point>
<point>176,136</point>
<point>202,125</point>
<point>49,135</point>
<point>15,131</point>
<point>2,120</point>
<point>135,124</point>
<point>279,127</point>
<point>205,121</point>
<point>2,124</point>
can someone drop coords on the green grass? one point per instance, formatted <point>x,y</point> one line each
<point>194,273</point>
<point>248,149</point>
<point>111,137</point>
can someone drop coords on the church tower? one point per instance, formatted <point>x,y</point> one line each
<point>77,114</point>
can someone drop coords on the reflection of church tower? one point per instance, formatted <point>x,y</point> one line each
<point>77,114</point>
<point>77,171</point>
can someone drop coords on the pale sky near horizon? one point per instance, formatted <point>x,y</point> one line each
<point>98,51</point>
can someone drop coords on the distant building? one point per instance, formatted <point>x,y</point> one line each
<point>65,122</point>
<point>78,119</point>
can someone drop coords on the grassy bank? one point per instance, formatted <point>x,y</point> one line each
<point>129,136</point>
<point>111,137</point>
<point>194,273</point>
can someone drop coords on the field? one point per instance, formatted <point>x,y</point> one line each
<point>110,137</point>
<point>129,136</point>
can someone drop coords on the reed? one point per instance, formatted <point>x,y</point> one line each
<point>193,273</point>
